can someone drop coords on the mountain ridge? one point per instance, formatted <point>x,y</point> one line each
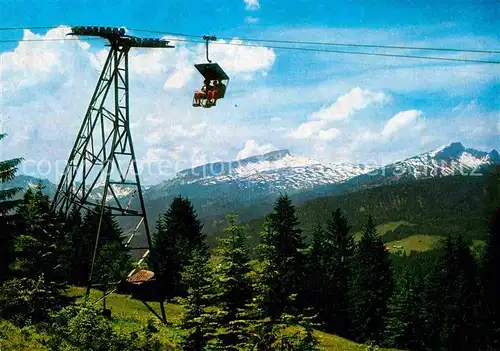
<point>249,186</point>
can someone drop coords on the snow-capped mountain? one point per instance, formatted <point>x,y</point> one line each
<point>447,160</point>
<point>249,186</point>
<point>271,172</point>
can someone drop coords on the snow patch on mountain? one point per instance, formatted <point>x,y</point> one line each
<point>451,159</point>
<point>272,172</point>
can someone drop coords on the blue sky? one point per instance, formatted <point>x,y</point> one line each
<point>331,107</point>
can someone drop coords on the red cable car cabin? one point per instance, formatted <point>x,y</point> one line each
<point>214,87</point>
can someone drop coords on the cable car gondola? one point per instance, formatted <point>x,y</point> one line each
<point>214,84</point>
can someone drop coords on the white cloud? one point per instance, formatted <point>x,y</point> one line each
<point>399,121</point>
<point>252,5</point>
<point>355,100</point>
<point>237,59</point>
<point>180,78</point>
<point>307,129</point>
<point>253,148</point>
<point>329,134</point>
<point>251,20</point>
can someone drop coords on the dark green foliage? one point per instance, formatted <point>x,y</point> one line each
<point>27,301</point>
<point>450,300</point>
<point>492,200</point>
<point>79,256</point>
<point>41,254</point>
<point>331,255</point>
<point>371,286</point>
<point>178,234</point>
<point>8,170</point>
<point>82,327</point>
<point>282,252</point>
<point>433,206</point>
<point>490,281</point>
<point>197,322</point>
<point>436,206</point>
<point>112,261</point>
<point>404,319</point>
<point>41,245</point>
<point>263,334</point>
<point>232,285</point>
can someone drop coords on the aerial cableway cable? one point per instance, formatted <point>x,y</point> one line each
<point>375,46</point>
<point>184,38</point>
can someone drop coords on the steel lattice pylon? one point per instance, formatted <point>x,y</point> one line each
<point>102,164</point>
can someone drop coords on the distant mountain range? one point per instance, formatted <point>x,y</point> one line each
<point>273,172</point>
<point>249,186</point>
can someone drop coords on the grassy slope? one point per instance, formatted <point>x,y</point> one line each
<point>129,314</point>
<point>413,243</point>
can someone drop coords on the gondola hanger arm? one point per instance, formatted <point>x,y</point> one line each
<point>207,38</point>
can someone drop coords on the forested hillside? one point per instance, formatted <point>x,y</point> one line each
<point>436,206</point>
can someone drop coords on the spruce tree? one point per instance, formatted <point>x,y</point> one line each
<point>112,262</point>
<point>404,321</point>
<point>232,284</point>
<point>490,284</point>
<point>169,259</point>
<point>330,258</point>
<point>282,252</point>
<point>8,170</point>
<point>315,268</point>
<point>197,322</point>
<point>371,286</point>
<point>450,300</point>
<point>178,234</point>
<point>42,245</point>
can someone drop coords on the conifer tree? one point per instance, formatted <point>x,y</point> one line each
<point>450,300</point>
<point>112,262</point>
<point>178,234</point>
<point>371,286</point>
<point>330,259</point>
<point>282,253</point>
<point>197,322</point>
<point>315,267</point>
<point>8,170</point>
<point>490,283</point>
<point>404,321</point>
<point>42,245</point>
<point>232,284</point>
<point>169,260</point>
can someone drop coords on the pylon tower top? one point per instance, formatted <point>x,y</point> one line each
<point>118,36</point>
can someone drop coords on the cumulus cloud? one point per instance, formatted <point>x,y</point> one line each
<point>399,121</point>
<point>252,148</point>
<point>252,5</point>
<point>237,59</point>
<point>307,130</point>
<point>355,100</point>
